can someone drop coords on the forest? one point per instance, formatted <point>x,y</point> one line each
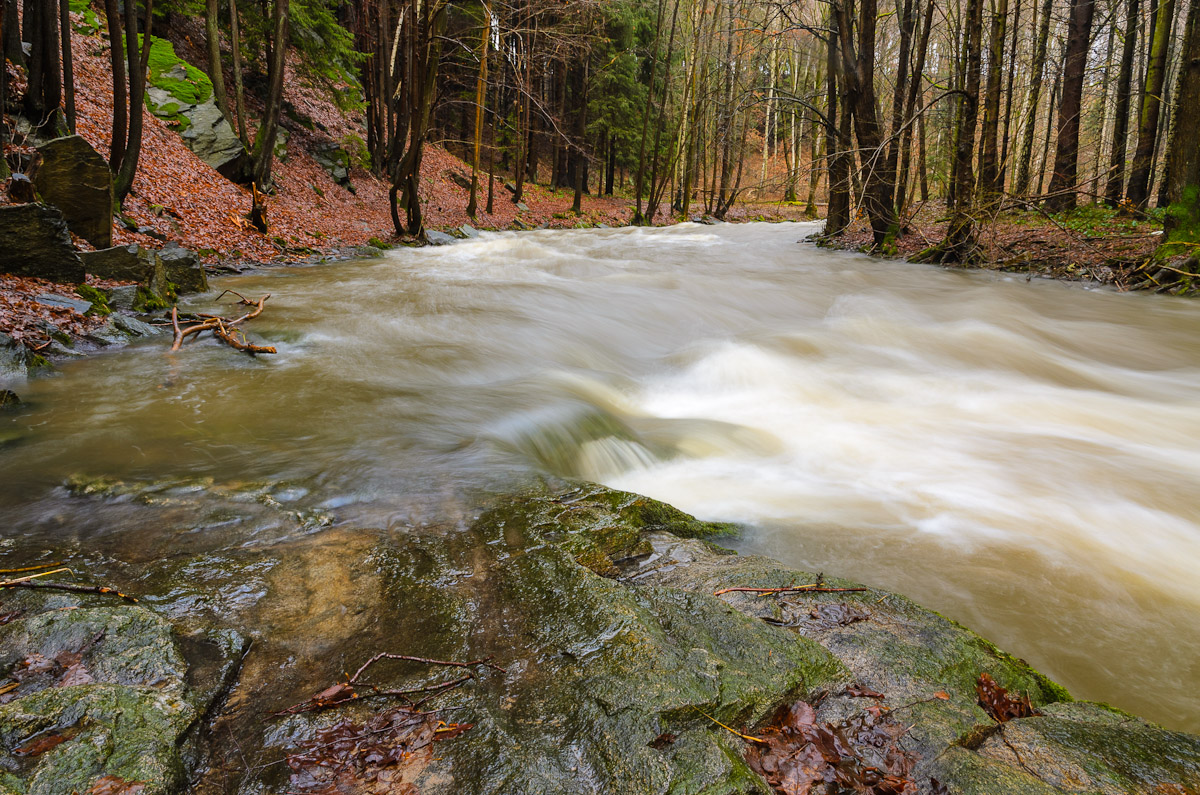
<point>852,110</point>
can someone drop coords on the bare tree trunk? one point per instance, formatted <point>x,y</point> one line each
<point>837,216</point>
<point>1066,160</point>
<point>216,72</point>
<point>1143,157</point>
<point>915,91</point>
<point>264,142</point>
<point>989,167</point>
<point>1114,190</point>
<point>900,94</point>
<point>116,148</point>
<point>239,94</point>
<point>1183,157</point>
<point>1025,154</point>
<point>137,92</point>
<point>480,95</point>
<point>879,183</point>
<point>959,245</point>
<point>1001,178</point>
<point>68,64</point>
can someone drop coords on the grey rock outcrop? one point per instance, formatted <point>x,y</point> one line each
<point>130,263</point>
<point>76,179</point>
<point>38,244</point>
<point>436,238</point>
<point>335,160</point>
<point>206,132</point>
<point>183,268</point>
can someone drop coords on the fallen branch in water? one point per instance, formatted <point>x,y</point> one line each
<point>814,588</point>
<point>223,328</point>
<point>32,582</point>
<point>343,692</point>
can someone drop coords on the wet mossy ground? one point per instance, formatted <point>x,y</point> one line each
<point>618,659</point>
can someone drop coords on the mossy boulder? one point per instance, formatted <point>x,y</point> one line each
<point>606,621</point>
<point>96,694</point>
<point>182,95</point>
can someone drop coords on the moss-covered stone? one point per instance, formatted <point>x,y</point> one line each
<point>97,690</point>
<point>98,299</point>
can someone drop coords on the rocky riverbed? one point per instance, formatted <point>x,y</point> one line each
<point>603,652</point>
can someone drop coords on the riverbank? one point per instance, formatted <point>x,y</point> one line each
<point>570,639</point>
<point>1092,244</point>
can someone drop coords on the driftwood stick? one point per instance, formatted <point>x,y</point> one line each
<point>449,663</point>
<point>220,332</point>
<point>251,315</point>
<point>814,588</point>
<point>62,586</point>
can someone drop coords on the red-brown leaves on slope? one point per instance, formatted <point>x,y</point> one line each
<point>862,755</point>
<point>999,703</point>
<point>384,754</point>
<point>25,319</point>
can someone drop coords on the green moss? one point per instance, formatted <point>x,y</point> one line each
<point>98,299</point>
<point>148,301</point>
<point>193,88</point>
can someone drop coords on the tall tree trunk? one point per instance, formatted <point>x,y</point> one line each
<point>136,64</point>
<point>116,148</point>
<point>959,245</point>
<point>1156,69</point>
<point>900,94</point>
<point>989,155</point>
<point>1066,160</point>
<point>579,156</point>
<point>11,40</point>
<point>1183,157</point>
<point>480,94</point>
<point>915,91</point>
<point>1114,190</point>
<point>1037,69</point>
<point>858,65</point>
<point>1001,178</point>
<point>239,93</point>
<point>216,72</point>
<point>837,215</point>
<point>68,64</point>
<point>264,142</point>
<point>639,179</point>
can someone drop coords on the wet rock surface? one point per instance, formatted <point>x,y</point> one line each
<point>100,695</point>
<point>618,658</point>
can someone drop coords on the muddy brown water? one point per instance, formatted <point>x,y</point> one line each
<point>1021,456</point>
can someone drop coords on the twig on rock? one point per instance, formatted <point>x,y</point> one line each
<point>814,588</point>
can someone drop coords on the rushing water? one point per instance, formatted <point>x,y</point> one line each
<point>1023,456</point>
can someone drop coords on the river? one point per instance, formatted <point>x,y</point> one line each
<point>1022,456</point>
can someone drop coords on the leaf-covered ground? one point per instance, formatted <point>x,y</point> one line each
<point>1091,243</point>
